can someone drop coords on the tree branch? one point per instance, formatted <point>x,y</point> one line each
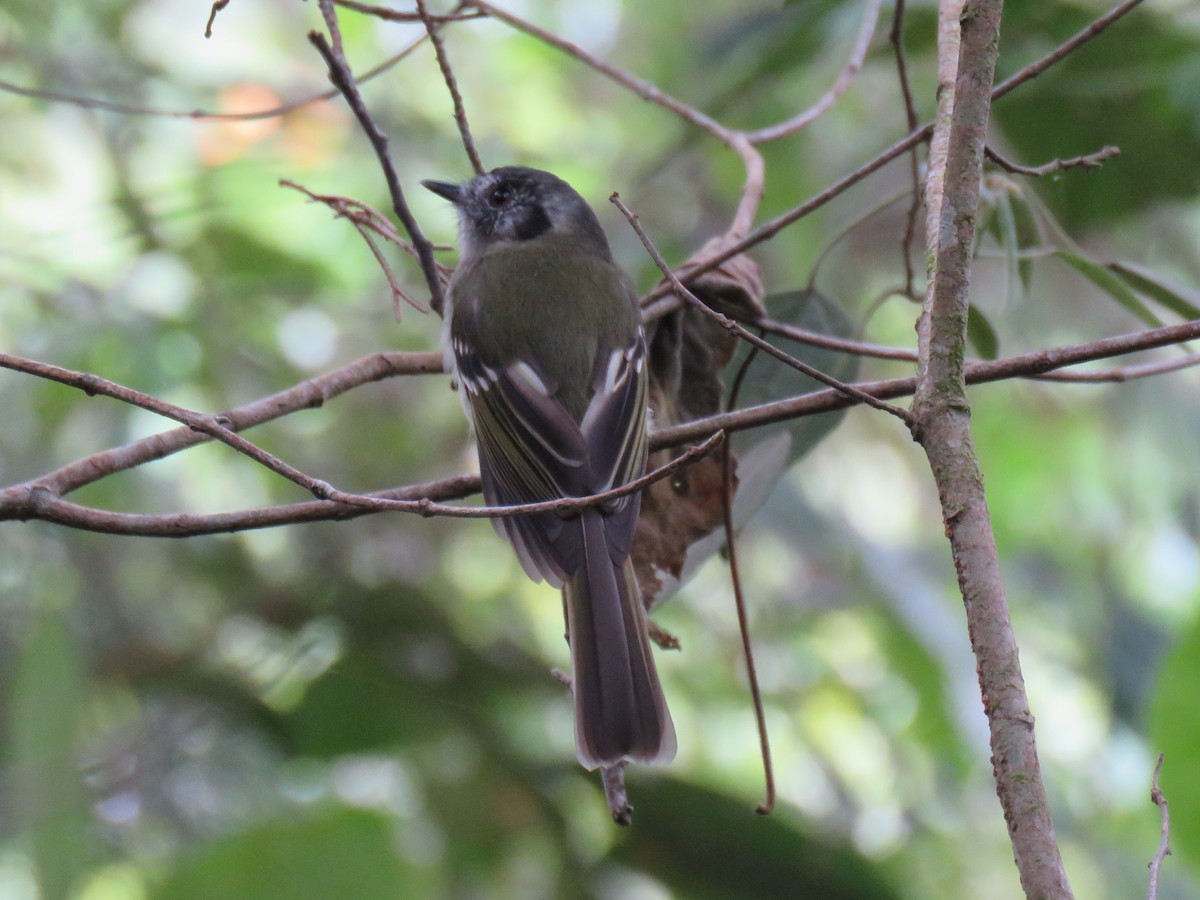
<point>943,429</point>
<point>41,498</point>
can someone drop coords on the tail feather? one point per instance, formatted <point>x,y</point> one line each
<point>620,711</point>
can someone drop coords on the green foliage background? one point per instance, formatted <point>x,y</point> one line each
<point>363,709</point>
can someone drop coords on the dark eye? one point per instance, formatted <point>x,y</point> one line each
<point>499,195</point>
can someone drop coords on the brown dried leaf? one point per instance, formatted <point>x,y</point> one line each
<point>688,351</point>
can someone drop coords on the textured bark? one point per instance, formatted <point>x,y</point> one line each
<point>966,69</point>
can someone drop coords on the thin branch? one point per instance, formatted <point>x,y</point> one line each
<point>769,229</point>
<point>1122,373</point>
<point>739,598</point>
<point>395,15</point>
<point>33,500</point>
<point>39,498</point>
<point>846,76</point>
<point>367,220</point>
<point>214,426</point>
<point>734,328</point>
<point>1088,161</point>
<point>737,141</point>
<point>460,111</point>
<point>200,115</point>
<point>967,47</point>
<point>343,80</point>
<point>309,394</point>
<point>896,37</point>
<point>1065,49</point>
<point>831,342</point>
<point>1159,799</point>
<point>217,6</point>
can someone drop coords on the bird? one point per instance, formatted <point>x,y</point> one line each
<point>542,334</point>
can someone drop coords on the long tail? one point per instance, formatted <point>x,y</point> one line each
<point>620,710</point>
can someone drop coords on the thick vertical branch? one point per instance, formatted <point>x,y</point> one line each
<point>943,428</point>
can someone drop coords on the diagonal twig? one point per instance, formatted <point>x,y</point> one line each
<point>1159,799</point>
<point>343,80</point>
<point>460,111</point>
<point>1087,161</point>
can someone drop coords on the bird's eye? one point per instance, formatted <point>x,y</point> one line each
<point>499,196</point>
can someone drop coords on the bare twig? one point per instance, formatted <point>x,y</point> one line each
<point>1088,161</point>
<point>1122,374</point>
<point>967,47</point>
<point>200,115</point>
<point>831,342</point>
<point>308,394</point>
<point>367,220</point>
<point>769,229</point>
<point>1159,799</point>
<point>214,426</point>
<point>845,77</point>
<point>739,597</point>
<point>343,80</point>
<point>896,36</point>
<point>217,6</point>
<point>1065,49</point>
<point>40,497</point>
<point>396,15</point>
<point>737,141</point>
<point>753,339</point>
<point>460,111</point>
<point>427,508</point>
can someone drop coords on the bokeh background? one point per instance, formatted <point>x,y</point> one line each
<point>363,709</point>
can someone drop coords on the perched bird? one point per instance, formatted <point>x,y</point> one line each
<point>543,334</point>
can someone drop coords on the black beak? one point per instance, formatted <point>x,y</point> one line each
<point>451,192</point>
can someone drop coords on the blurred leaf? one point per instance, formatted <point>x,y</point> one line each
<point>47,700</point>
<point>981,333</point>
<point>702,844</point>
<point>1179,300</point>
<point>337,853</point>
<point>1029,234</point>
<point>1112,285</point>
<point>1012,249</point>
<point>768,379</point>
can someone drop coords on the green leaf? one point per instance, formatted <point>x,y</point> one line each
<point>1008,227</point>
<point>702,845</point>
<point>1111,284</point>
<point>52,806</point>
<point>981,334</point>
<point>1028,234</point>
<point>332,854</point>
<point>1179,300</point>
